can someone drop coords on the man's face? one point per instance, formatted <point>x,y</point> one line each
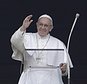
<point>44,26</point>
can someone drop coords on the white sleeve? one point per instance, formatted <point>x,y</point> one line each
<point>67,58</point>
<point>17,45</point>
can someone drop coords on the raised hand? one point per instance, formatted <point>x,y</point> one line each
<point>26,23</point>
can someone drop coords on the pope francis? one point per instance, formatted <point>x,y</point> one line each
<point>44,57</point>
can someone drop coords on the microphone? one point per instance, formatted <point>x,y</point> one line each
<point>77,15</point>
<point>68,58</point>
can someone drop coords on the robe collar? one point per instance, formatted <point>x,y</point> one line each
<point>45,37</point>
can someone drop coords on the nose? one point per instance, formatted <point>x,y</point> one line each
<point>43,27</point>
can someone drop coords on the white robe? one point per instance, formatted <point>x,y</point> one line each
<point>20,42</point>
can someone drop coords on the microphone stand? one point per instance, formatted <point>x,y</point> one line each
<point>68,58</point>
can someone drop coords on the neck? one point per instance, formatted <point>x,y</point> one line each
<point>43,36</point>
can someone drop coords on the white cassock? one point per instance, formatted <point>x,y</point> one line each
<point>46,60</point>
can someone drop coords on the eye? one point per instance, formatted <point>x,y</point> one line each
<point>40,24</point>
<point>45,25</point>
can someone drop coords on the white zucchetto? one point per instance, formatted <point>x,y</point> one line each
<point>47,16</point>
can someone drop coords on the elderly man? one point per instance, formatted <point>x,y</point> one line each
<point>44,56</point>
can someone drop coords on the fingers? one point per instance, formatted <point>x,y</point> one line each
<point>31,21</point>
<point>26,23</point>
<point>63,64</point>
<point>63,67</point>
<point>28,18</point>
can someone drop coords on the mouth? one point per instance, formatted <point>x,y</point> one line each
<point>42,30</point>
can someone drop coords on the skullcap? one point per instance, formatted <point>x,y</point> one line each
<point>47,16</point>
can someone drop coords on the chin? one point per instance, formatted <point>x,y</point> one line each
<point>42,35</point>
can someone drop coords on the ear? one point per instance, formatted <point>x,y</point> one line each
<point>51,28</point>
<point>37,24</point>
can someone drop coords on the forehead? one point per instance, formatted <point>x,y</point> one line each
<point>45,20</point>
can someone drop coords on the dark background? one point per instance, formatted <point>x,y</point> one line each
<point>12,13</point>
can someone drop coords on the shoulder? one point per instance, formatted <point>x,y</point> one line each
<point>56,39</point>
<point>59,42</point>
<point>29,35</point>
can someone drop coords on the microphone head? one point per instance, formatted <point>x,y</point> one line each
<point>77,15</point>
